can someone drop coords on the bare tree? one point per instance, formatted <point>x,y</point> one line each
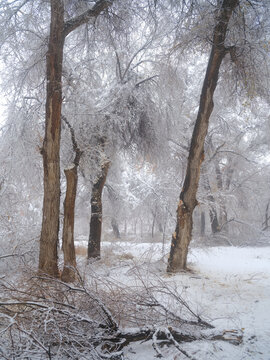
<point>96,206</point>
<point>182,235</point>
<point>59,29</point>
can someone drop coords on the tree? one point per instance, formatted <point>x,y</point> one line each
<point>59,29</point>
<point>96,208</point>
<point>71,173</point>
<point>187,203</point>
<point>127,124</point>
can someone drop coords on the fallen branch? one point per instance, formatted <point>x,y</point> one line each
<point>50,317</point>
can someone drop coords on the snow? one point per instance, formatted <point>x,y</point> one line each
<point>234,290</point>
<point>227,286</point>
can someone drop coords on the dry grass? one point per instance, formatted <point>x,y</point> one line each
<point>81,250</point>
<point>108,255</point>
<point>126,256</point>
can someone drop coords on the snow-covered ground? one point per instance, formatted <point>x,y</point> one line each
<point>227,286</point>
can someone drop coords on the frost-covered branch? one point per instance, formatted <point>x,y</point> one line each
<point>93,12</point>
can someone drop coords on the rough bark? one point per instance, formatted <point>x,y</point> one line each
<point>96,213</point>
<point>69,270</point>
<point>48,258</point>
<point>183,232</point>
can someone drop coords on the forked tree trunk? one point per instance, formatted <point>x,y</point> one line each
<point>69,270</point>
<point>96,213</point>
<point>183,232</point>
<point>48,259</point>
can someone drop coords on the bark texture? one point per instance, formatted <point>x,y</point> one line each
<point>183,232</point>
<point>48,259</point>
<point>96,213</point>
<point>69,271</point>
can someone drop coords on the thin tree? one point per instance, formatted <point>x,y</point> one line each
<point>71,173</point>
<point>59,30</point>
<point>96,205</point>
<point>187,203</point>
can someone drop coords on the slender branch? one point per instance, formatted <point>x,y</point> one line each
<point>145,80</point>
<point>35,340</point>
<point>186,148</point>
<point>11,255</point>
<point>147,43</point>
<point>112,323</point>
<point>216,151</point>
<point>117,58</point>
<point>236,153</point>
<point>176,343</point>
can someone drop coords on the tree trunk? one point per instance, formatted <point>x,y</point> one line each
<point>96,213</point>
<point>202,223</point>
<point>214,220</point>
<point>115,228</point>
<point>212,204</point>
<point>267,217</point>
<point>48,259</point>
<point>135,226</point>
<point>125,227</point>
<point>183,232</point>
<point>141,220</point>
<point>69,271</point>
<point>164,233</point>
<point>153,223</point>
<point>222,201</point>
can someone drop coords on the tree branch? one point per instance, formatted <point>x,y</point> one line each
<point>145,80</point>
<point>79,20</point>
<point>78,152</point>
